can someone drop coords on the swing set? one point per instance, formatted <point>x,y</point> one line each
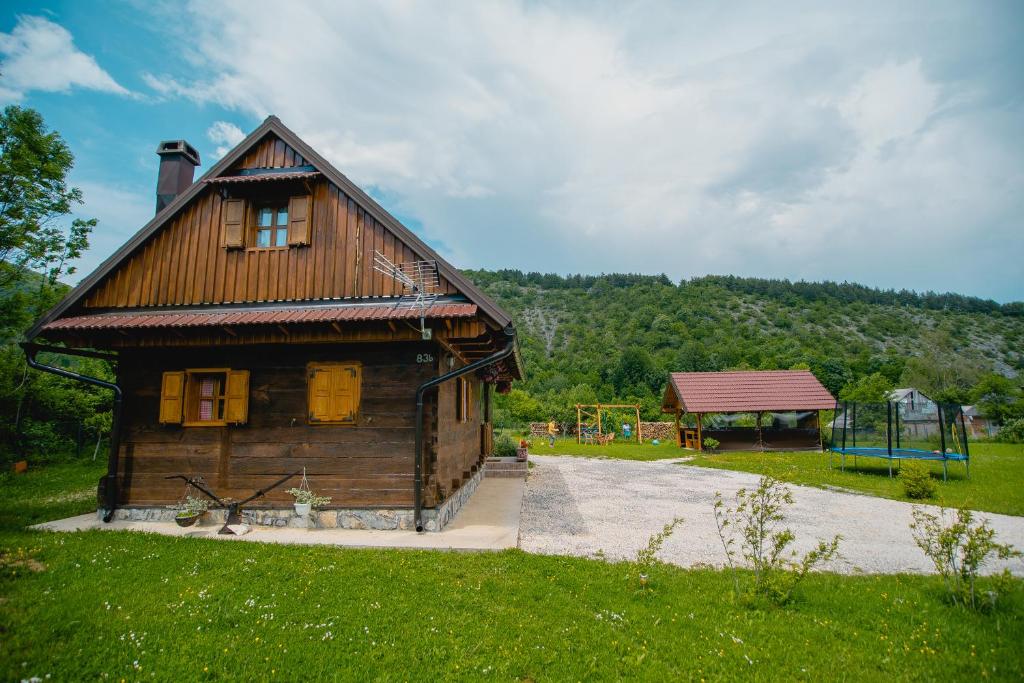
<point>588,424</point>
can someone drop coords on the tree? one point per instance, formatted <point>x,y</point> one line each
<point>873,388</point>
<point>635,373</point>
<point>996,396</point>
<point>34,197</point>
<point>941,371</point>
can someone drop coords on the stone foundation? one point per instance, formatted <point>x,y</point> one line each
<point>434,519</point>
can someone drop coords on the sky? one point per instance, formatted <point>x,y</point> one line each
<point>880,143</point>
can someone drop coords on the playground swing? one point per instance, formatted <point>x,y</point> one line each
<point>589,427</point>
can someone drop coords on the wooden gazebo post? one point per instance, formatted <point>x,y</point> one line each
<point>639,438</point>
<point>599,432</point>
<point>700,432</point>
<point>679,428</point>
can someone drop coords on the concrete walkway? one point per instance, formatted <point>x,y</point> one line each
<point>490,521</point>
<point>609,508</point>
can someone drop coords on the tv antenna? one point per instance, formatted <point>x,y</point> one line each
<point>420,285</point>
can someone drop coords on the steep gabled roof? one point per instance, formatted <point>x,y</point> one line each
<point>747,391</point>
<point>273,125</point>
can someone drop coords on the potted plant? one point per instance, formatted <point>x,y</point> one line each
<point>523,451</point>
<point>306,500</point>
<point>190,510</point>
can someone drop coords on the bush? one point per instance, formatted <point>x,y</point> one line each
<point>917,481</point>
<point>753,526</point>
<point>1012,431</point>
<point>959,551</point>
<point>711,444</point>
<point>505,446</point>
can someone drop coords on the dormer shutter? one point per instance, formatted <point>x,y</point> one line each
<point>299,214</point>
<point>234,223</point>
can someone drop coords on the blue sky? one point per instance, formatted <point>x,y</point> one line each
<point>878,143</point>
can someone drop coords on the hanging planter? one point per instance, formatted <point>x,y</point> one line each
<point>190,508</point>
<point>182,519</point>
<point>305,499</point>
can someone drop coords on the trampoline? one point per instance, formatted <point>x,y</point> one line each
<point>900,430</point>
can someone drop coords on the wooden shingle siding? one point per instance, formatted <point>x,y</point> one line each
<point>187,263</point>
<point>270,153</point>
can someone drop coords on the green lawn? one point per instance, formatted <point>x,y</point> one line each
<point>997,475</point>
<point>129,606</point>
<point>623,450</point>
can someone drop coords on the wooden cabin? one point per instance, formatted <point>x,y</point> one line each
<point>254,338</point>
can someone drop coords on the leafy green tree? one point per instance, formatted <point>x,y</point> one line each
<point>997,397</point>
<point>40,415</point>
<point>34,197</point>
<point>636,373</point>
<point>941,370</point>
<point>874,388</point>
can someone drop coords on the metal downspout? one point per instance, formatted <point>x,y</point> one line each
<point>420,391</point>
<point>110,480</point>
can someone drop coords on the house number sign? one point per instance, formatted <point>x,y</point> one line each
<point>424,358</point>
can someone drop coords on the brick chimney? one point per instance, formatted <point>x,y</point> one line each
<point>178,161</point>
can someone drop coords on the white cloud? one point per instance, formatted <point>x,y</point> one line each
<point>226,135</point>
<point>41,55</point>
<point>120,211</point>
<point>838,142</point>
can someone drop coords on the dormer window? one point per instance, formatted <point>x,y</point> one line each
<point>271,229</point>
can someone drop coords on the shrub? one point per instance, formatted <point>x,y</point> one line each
<point>647,557</point>
<point>1012,431</point>
<point>505,446</point>
<point>917,481</point>
<point>754,521</point>
<point>711,443</point>
<point>959,551</point>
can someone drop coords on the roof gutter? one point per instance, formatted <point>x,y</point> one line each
<point>108,484</point>
<point>508,350</point>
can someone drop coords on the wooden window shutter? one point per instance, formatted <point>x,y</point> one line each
<point>172,391</point>
<point>319,394</point>
<point>345,393</point>
<point>299,214</point>
<point>334,393</point>
<point>234,223</point>
<point>236,397</point>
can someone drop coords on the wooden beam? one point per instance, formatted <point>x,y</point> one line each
<point>337,327</point>
<point>229,331</point>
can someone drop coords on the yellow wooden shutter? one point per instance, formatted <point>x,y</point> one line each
<point>172,390</point>
<point>319,394</point>
<point>299,214</point>
<point>236,397</point>
<point>344,393</point>
<point>234,223</point>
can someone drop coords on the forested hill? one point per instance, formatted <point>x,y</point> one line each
<point>617,336</point>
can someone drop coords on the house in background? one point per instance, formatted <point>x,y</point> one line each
<point>254,338</point>
<point>979,426</point>
<point>918,414</point>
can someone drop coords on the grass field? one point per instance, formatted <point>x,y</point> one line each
<point>997,475</point>
<point>622,450</point>
<point>129,606</point>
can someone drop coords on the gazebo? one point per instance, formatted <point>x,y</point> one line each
<point>783,405</point>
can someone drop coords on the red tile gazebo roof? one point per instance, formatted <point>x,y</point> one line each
<point>746,391</point>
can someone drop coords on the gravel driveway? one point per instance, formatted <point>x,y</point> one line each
<point>586,506</point>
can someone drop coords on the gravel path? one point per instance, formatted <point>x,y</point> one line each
<point>586,506</point>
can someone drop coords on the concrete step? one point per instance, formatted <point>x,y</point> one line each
<point>505,468</point>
